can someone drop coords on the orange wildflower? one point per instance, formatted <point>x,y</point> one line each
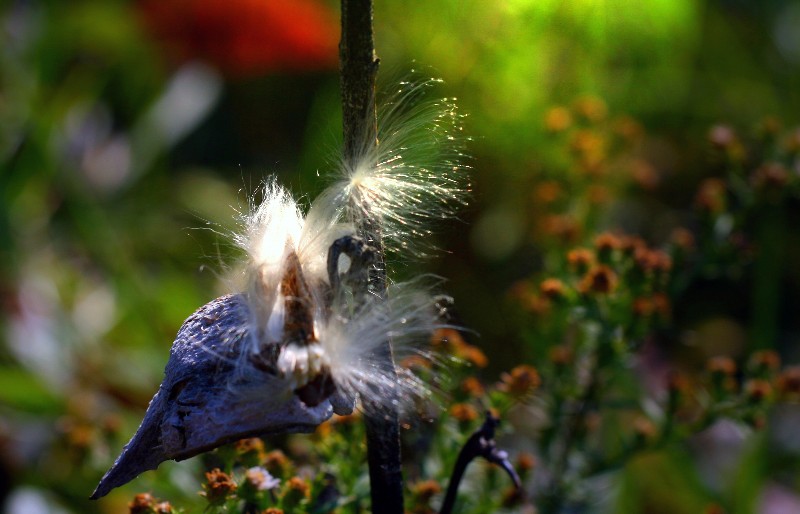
<point>770,175</point>
<point>644,429</point>
<point>721,365</point>
<point>218,487</point>
<point>606,243</point>
<point>561,355</point>
<point>722,370</point>
<point>552,288</point>
<point>598,194</point>
<point>628,129</point>
<point>562,227</point>
<point>142,503</point>
<point>591,108</point>
<point>642,307</point>
<point>788,383</point>
<point>277,463</point>
<point>644,174</point>
<point>525,462</point>
<point>765,361</point>
<point>579,259</point>
<point>473,387</point>
<point>547,192</point>
<point>520,382</point>
<point>600,279</point>
<point>712,196</point>
<point>463,412</point>
<point>557,119</point>
<point>757,390</point>
<point>682,239</point>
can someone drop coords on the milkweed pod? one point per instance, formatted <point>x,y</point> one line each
<point>197,407</point>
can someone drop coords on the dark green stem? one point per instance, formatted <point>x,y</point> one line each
<point>572,425</point>
<point>771,231</point>
<point>358,69</point>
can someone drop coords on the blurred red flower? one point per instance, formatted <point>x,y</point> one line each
<point>246,37</point>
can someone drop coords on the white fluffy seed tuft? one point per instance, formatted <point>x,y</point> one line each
<point>405,184</point>
<point>412,178</point>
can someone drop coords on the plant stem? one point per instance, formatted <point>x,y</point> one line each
<point>575,418</point>
<point>770,240</point>
<point>358,70</point>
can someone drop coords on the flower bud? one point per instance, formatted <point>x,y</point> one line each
<point>219,487</point>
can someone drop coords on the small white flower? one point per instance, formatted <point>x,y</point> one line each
<point>261,480</point>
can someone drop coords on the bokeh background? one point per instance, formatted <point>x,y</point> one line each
<point>132,131</point>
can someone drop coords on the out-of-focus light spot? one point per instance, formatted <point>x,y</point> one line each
<point>786,34</point>
<point>717,336</point>
<point>717,450</point>
<point>246,37</point>
<point>85,126</point>
<point>107,166</point>
<point>31,334</point>
<point>783,428</point>
<point>27,500</point>
<point>95,312</point>
<point>777,499</point>
<point>188,98</point>
<point>497,234</point>
<point>209,198</point>
<point>190,94</point>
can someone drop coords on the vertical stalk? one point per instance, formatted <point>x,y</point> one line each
<point>770,236</point>
<point>570,427</point>
<point>358,66</point>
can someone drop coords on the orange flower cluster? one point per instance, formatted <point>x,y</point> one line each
<point>593,158</point>
<point>751,390</point>
<point>619,268</point>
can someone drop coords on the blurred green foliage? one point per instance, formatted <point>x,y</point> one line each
<point>122,164</point>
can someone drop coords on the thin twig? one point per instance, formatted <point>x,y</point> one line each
<point>358,69</point>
